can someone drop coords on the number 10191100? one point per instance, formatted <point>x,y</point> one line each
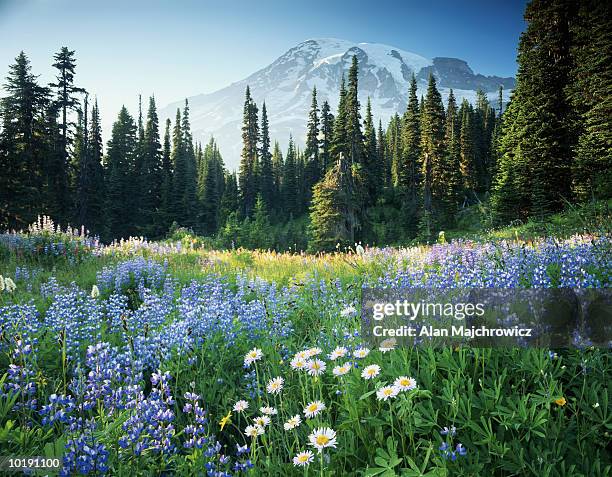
<point>12,463</point>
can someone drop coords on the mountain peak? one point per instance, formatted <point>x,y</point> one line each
<point>285,85</point>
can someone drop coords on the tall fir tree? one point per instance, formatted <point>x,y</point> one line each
<point>468,167</point>
<point>189,189</point>
<point>121,175</point>
<point>542,119</point>
<point>278,169</point>
<point>409,174</point>
<point>433,154</point>
<point>289,187</point>
<point>312,172</point>
<point>589,93</point>
<point>152,175</point>
<point>91,191</point>
<point>266,173</point>
<point>327,135</point>
<point>26,126</point>
<point>247,173</point>
<point>66,102</point>
<point>451,168</point>
<point>373,167</point>
<point>167,180</point>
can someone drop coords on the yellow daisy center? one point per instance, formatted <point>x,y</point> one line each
<point>322,439</point>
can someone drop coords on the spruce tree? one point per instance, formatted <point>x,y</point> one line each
<point>451,168</point>
<point>289,187</point>
<point>266,173</point>
<point>433,153</point>
<point>354,135</point>
<point>467,153</point>
<point>278,169</point>
<point>152,176</point>
<point>23,145</point>
<point>312,167</point>
<point>409,174</point>
<point>542,118</point>
<point>373,167</point>
<point>167,180</point>
<point>90,204</point>
<point>66,102</point>
<point>189,189</point>
<point>180,171</point>
<point>381,152</point>
<point>247,173</point>
<point>327,134</point>
<point>230,199</point>
<point>589,93</point>
<point>120,171</point>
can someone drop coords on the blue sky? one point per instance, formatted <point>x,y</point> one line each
<point>175,49</point>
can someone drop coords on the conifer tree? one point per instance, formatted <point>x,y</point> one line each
<point>212,188</point>
<point>466,151</point>
<point>373,170</point>
<point>189,188</point>
<point>120,171</point>
<point>152,175</point>
<point>247,173</point>
<point>409,174</point>
<point>266,173</point>
<point>230,199</point>
<point>354,135</point>
<point>289,187</point>
<point>278,168</point>
<point>589,93</point>
<point>66,102</point>
<point>180,170</point>
<point>339,143</point>
<point>312,164</point>
<point>541,121</point>
<point>23,145</point>
<point>451,167</point>
<point>432,156</point>
<point>167,180</point>
<point>91,191</point>
<point>327,134</point>
<point>381,152</point>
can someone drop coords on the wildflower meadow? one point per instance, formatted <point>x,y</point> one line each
<point>159,358</point>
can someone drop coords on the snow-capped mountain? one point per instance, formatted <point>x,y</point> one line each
<point>286,86</point>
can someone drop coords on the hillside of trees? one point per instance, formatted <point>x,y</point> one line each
<point>356,180</point>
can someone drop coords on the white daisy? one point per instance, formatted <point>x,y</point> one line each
<point>254,431</point>
<point>302,459</point>
<point>313,352</point>
<point>316,367</point>
<point>341,370</point>
<point>269,411</point>
<point>314,409</point>
<point>387,392</point>
<point>241,406</point>
<point>322,438</point>
<point>298,363</point>
<point>339,352</point>
<point>262,421</point>
<point>404,383</point>
<point>254,355</point>
<point>302,355</point>
<point>275,385</point>
<point>293,422</point>
<point>361,352</point>
<point>370,372</point>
